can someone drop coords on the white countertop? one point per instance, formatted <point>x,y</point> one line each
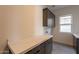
<point>25,45</point>
<point>76,35</point>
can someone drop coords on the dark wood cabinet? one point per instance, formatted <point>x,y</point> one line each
<point>44,48</point>
<point>48,46</point>
<point>48,16</point>
<point>37,50</point>
<point>76,44</point>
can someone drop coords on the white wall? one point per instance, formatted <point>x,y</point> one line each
<point>39,20</point>
<point>66,38</point>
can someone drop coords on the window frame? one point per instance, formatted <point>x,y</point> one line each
<point>65,24</point>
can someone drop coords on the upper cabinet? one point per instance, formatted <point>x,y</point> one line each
<point>48,18</point>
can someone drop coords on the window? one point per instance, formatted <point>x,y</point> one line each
<point>65,23</point>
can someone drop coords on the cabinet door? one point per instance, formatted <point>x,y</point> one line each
<point>77,45</point>
<point>37,50</point>
<point>48,46</point>
<point>74,42</point>
<point>45,17</point>
<point>48,18</point>
<point>51,19</point>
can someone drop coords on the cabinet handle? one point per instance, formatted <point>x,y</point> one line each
<point>37,52</point>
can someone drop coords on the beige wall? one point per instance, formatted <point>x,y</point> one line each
<point>66,38</point>
<point>3,39</point>
<point>24,21</point>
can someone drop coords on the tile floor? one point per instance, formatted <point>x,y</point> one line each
<point>62,49</point>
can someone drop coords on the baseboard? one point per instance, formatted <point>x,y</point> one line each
<point>63,44</point>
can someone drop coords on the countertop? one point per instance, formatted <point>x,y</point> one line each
<point>76,35</point>
<point>25,45</point>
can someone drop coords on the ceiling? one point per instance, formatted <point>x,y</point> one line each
<point>55,7</point>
